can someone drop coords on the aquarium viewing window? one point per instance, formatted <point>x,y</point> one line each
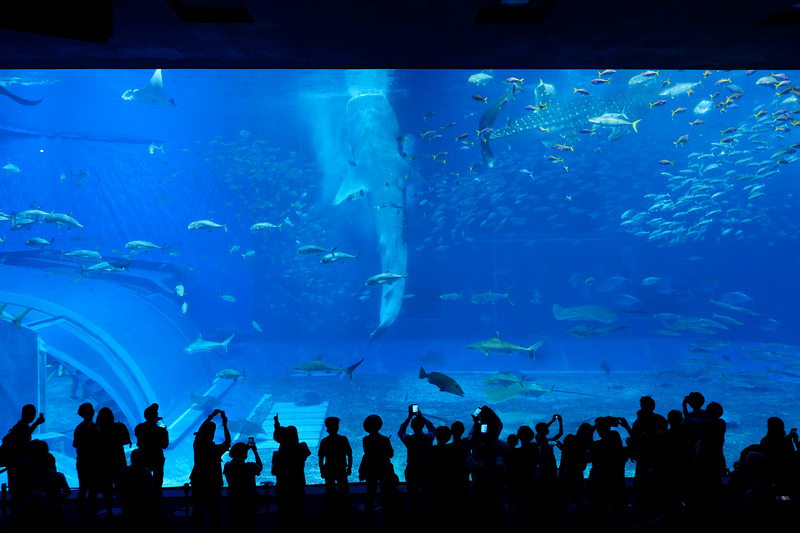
<point>309,243</point>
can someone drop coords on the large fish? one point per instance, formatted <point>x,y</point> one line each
<point>589,331</point>
<point>496,346</point>
<point>201,345</point>
<point>318,367</point>
<point>559,118</point>
<point>584,312</point>
<point>380,173</point>
<point>445,383</point>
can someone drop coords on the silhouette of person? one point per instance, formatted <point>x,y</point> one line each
<point>88,443</point>
<point>115,437</point>
<point>574,459</point>
<point>488,482</point>
<point>243,498</point>
<point>376,464</point>
<point>206,476</point>
<point>43,491</point>
<point>709,467</point>
<point>608,457</point>
<point>416,445</point>
<point>288,467</point>
<point>336,462</point>
<point>137,494</point>
<point>16,449</point>
<point>781,455</point>
<point>152,438</point>
<point>547,469</point>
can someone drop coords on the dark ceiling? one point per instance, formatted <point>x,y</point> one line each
<point>400,34</point>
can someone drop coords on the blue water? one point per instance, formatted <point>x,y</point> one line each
<point>242,147</point>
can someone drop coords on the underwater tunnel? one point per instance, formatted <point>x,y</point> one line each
<point>96,328</point>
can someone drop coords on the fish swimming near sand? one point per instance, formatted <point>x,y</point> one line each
<point>445,383</point>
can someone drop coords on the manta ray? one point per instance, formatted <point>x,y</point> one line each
<point>554,118</point>
<point>151,94</point>
<point>17,99</point>
<point>584,312</point>
<point>380,173</point>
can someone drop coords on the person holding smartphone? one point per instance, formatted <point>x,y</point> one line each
<point>416,445</point>
<point>206,476</point>
<point>243,498</point>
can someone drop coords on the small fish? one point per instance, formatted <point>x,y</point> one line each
<point>226,298</point>
<point>581,91</point>
<point>180,290</point>
<point>257,327</point>
<point>683,139</point>
<point>479,98</point>
<point>184,307</point>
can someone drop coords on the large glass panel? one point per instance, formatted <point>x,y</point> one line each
<point>342,243</point>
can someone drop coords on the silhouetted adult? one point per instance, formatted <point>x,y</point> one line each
<point>137,494</point>
<point>206,476</point>
<point>547,469</point>
<point>527,460</point>
<point>416,445</point>
<point>574,459</point>
<point>16,449</point>
<point>695,419</point>
<point>335,464</point>
<point>608,457</point>
<point>679,451</point>
<point>781,455</point>
<point>152,438</point>
<point>708,468</point>
<point>436,473</point>
<point>376,465</point>
<point>243,498</point>
<point>646,447</point>
<point>288,467</point>
<point>488,482</point>
<point>88,444</point>
<point>115,437</point>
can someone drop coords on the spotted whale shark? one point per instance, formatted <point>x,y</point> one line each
<point>380,173</point>
<point>550,123</point>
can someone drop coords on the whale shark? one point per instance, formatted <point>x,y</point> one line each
<point>548,123</point>
<point>151,94</point>
<point>17,99</point>
<point>380,173</point>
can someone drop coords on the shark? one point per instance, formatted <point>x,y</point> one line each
<point>380,173</point>
<point>318,367</point>
<point>151,94</point>
<point>496,346</point>
<point>201,345</point>
<point>554,118</point>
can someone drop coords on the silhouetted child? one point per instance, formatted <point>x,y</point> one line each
<point>136,491</point>
<point>376,469</point>
<point>336,462</point>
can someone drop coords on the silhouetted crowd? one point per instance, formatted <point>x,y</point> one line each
<point>455,479</point>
